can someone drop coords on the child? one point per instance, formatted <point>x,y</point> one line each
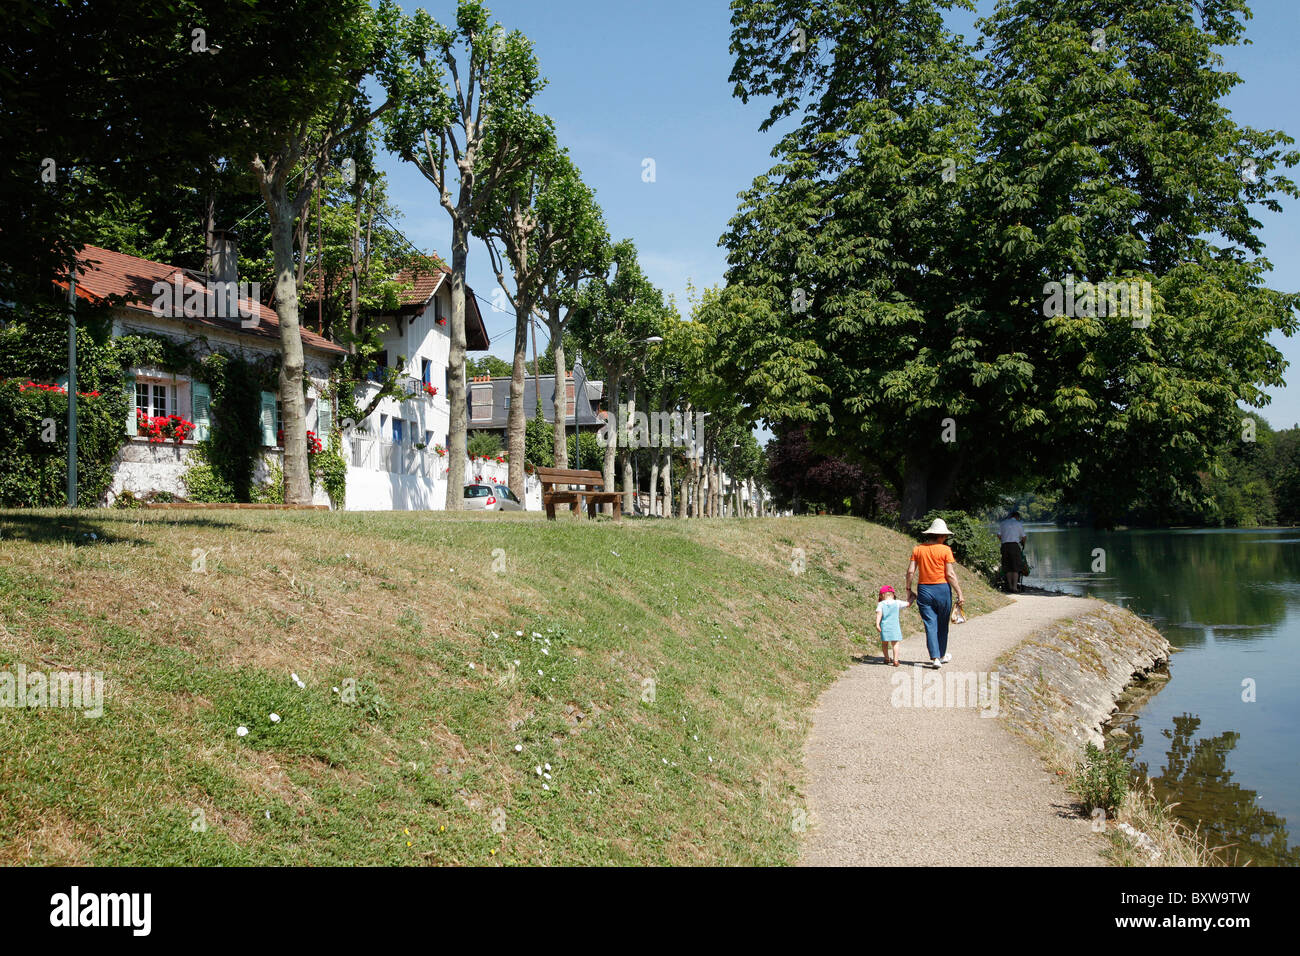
<point>887,610</point>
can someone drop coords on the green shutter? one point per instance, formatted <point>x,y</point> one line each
<point>201,404</point>
<point>268,419</point>
<point>324,419</point>
<point>132,424</point>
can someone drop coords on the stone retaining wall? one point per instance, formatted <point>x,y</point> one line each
<point>1063,682</point>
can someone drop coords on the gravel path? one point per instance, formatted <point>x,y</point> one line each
<point>937,786</point>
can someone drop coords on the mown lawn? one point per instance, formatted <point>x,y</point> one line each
<point>665,671</point>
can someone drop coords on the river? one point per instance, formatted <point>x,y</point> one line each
<point>1219,739</point>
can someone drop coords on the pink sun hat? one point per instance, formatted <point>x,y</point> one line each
<point>886,588</point>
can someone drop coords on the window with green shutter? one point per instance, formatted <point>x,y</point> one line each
<point>201,406</point>
<point>324,419</point>
<point>268,419</point>
<point>132,423</point>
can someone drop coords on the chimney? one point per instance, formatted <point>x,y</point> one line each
<point>223,274</point>
<point>224,266</point>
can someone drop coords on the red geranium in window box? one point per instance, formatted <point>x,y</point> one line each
<point>161,428</point>
<point>430,390</point>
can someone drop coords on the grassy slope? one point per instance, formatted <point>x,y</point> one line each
<point>737,646</point>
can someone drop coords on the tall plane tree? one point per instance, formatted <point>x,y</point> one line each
<point>462,118</point>
<point>287,138</point>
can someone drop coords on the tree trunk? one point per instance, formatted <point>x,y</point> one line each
<point>916,487</point>
<point>629,476</point>
<point>456,439</point>
<point>297,482</point>
<point>654,480</point>
<point>561,402</point>
<point>684,496</point>
<point>354,283</point>
<point>611,447</point>
<point>667,474</point>
<point>517,417</point>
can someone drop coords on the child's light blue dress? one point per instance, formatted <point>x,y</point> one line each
<point>889,626</point>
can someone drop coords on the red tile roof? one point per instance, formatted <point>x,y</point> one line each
<point>426,283</point>
<point>102,273</point>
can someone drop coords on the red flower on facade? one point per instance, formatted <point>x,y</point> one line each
<point>430,390</point>
<point>161,428</point>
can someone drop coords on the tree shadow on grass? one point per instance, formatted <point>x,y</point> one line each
<point>94,528</point>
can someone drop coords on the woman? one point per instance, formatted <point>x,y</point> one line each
<point>936,585</point>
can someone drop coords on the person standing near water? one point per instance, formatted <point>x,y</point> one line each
<point>934,567</point>
<point>1012,535</point>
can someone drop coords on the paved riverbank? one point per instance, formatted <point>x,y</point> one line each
<point>940,786</point>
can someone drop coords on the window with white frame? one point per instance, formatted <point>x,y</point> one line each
<point>155,397</point>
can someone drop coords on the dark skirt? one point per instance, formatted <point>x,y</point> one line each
<point>1011,557</point>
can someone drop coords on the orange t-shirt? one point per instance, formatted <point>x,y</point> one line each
<point>930,560</point>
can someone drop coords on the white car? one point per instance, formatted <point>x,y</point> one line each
<point>485,497</point>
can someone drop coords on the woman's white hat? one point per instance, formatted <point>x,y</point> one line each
<point>938,527</point>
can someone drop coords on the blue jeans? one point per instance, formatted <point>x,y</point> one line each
<point>934,601</point>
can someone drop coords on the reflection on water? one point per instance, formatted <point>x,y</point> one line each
<point>1216,740</point>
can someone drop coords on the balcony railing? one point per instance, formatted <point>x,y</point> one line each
<point>399,458</point>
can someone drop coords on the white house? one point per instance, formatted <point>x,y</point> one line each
<point>397,457</point>
<point>153,298</point>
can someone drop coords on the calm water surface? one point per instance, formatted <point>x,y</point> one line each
<point>1230,601</point>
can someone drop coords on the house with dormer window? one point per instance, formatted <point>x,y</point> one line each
<point>397,455</point>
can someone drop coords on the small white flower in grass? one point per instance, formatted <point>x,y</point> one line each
<point>519,748</point>
<point>495,634</point>
<point>335,689</point>
<point>539,771</point>
<point>552,680</point>
<point>710,760</point>
<point>275,718</point>
<point>540,674</point>
<point>547,776</point>
<point>516,663</point>
<point>548,766</point>
<point>546,652</point>
<point>268,814</point>
<point>694,737</point>
<point>519,633</point>
<point>471,666</point>
<point>546,786</point>
<point>242,731</point>
<point>535,634</point>
<point>665,760</point>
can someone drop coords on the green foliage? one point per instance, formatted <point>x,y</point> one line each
<point>33,472</point>
<point>539,441</point>
<point>271,491</point>
<point>1101,779</point>
<point>593,455</point>
<point>973,542</point>
<point>203,483</point>
<point>488,365</point>
<point>483,444</point>
<point>235,444</point>
<point>903,238</point>
<point>332,470</point>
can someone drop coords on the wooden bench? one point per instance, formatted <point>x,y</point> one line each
<point>580,484</point>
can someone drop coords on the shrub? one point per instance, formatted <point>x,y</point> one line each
<point>1101,779</point>
<point>593,454</point>
<point>483,445</point>
<point>972,541</point>
<point>33,471</point>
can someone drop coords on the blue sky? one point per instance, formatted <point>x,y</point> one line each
<point>630,81</point>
